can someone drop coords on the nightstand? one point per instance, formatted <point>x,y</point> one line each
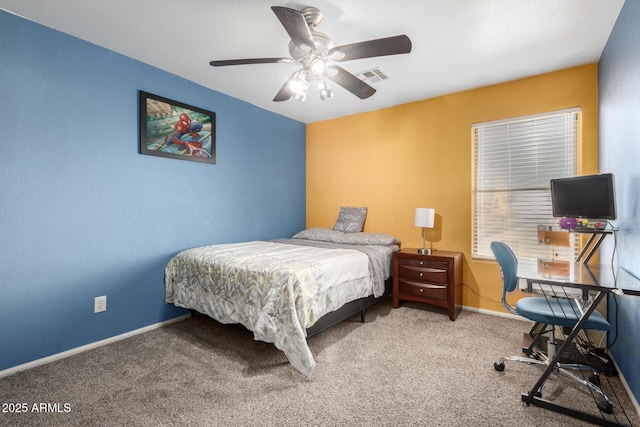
<point>434,279</point>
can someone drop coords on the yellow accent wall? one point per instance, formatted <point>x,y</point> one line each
<point>420,155</point>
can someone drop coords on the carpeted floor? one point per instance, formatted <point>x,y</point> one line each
<point>410,366</point>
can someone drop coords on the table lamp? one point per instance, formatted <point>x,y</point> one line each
<point>425,219</point>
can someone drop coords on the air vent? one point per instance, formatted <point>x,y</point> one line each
<point>372,76</point>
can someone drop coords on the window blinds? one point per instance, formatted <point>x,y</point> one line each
<point>514,160</point>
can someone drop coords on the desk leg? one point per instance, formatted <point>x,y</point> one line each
<point>531,397</point>
<point>575,413</point>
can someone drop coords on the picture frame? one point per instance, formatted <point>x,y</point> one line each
<point>176,130</point>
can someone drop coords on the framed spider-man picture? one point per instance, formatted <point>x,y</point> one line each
<point>176,130</point>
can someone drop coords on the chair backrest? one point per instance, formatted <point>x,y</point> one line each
<point>508,268</point>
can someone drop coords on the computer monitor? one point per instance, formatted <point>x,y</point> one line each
<point>589,197</point>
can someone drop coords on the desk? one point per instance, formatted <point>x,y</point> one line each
<point>593,284</point>
<point>575,279</point>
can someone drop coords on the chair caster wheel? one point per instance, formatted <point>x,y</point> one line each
<point>499,366</point>
<point>595,380</point>
<point>605,407</point>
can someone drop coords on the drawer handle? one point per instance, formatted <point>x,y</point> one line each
<point>421,262</point>
<point>421,290</point>
<point>420,274</point>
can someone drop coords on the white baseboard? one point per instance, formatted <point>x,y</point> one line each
<point>626,386</point>
<point>91,346</point>
<point>495,313</point>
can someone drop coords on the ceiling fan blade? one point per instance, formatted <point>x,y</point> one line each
<point>250,61</point>
<point>349,82</point>
<point>368,49</point>
<point>285,91</point>
<point>296,25</point>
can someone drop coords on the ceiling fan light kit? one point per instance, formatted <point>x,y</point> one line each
<point>316,53</point>
<point>299,85</point>
<point>324,88</point>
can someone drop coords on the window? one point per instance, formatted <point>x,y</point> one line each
<point>514,160</point>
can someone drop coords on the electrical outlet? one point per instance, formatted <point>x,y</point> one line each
<point>100,304</point>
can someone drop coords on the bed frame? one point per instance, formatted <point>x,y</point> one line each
<point>347,311</point>
<point>338,316</point>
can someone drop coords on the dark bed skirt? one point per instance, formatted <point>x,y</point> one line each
<point>347,311</point>
<point>340,315</point>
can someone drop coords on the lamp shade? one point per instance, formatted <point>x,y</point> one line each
<point>425,217</point>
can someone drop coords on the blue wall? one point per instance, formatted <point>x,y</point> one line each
<point>82,214</point>
<point>619,95</point>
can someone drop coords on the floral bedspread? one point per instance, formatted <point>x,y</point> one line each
<point>274,289</point>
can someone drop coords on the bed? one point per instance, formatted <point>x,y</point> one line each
<point>284,290</point>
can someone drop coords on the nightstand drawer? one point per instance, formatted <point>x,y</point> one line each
<point>437,292</point>
<point>423,274</point>
<point>421,263</point>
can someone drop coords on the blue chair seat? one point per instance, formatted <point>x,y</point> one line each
<point>558,311</point>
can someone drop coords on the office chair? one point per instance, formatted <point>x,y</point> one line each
<point>549,312</point>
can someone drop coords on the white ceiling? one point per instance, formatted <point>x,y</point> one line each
<point>457,44</point>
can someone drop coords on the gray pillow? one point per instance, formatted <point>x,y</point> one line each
<point>363,238</point>
<point>350,220</point>
<point>318,233</point>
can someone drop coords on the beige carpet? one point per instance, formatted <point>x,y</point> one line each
<point>410,366</point>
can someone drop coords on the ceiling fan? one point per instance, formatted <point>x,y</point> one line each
<point>319,58</point>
